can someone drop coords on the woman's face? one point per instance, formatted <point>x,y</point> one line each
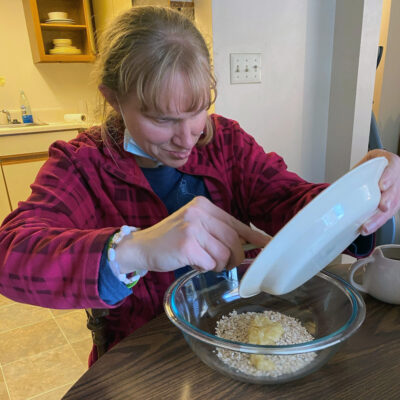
<point>168,136</point>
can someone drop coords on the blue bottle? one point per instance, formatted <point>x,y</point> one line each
<point>26,112</point>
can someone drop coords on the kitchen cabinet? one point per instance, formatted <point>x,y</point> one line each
<point>18,177</point>
<point>21,156</point>
<point>77,27</point>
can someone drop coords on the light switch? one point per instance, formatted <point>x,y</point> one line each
<point>245,67</point>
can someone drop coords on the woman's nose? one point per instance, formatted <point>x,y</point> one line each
<point>185,136</point>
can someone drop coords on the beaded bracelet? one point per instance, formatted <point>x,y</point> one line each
<point>132,278</point>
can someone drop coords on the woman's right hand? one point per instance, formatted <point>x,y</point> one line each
<point>199,234</point>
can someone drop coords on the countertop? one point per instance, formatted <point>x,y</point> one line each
<point>53,126</point>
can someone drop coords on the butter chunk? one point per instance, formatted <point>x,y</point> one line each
<point>262,363</point>
<point>264,332</point>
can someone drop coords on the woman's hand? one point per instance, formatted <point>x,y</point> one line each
<point>199,234</point>
<point>390,191</point>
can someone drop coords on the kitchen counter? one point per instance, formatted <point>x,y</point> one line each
<point>18,129</point>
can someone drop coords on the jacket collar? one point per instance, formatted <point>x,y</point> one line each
<point>123,165</point>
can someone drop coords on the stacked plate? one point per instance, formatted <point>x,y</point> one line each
<point>59,17</point>
<point>63,46</point>
<point>60,21</point>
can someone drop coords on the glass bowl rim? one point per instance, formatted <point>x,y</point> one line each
<point>352,324</point>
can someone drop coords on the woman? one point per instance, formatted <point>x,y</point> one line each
<point>159,186</point>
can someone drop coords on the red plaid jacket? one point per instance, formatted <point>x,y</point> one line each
<point>50,247</point>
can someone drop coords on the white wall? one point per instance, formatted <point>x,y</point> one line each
<point>52,88</point>
<point>314,103</point>
<point>389,109</point>
<point>288,111</point>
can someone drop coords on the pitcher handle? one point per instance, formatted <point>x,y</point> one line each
<point>354,267</point>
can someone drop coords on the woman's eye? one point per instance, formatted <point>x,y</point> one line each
<point>162,120</point>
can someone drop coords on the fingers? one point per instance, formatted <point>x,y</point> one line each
<point>199,234</point>
<point>385,201</point>
<point>202,260</point>
<point>258,239</point>
<point>389,178</point>
<point>374,223</point>
<point>384,212</point>
<point>373,154</point>
<point>244,231</point>
<point>223,235</point>
<point>221,242</point>
<point>389,185</point>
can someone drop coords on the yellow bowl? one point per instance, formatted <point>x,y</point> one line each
<point>63,42</point>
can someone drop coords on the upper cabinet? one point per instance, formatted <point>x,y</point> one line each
<point>70,21</point>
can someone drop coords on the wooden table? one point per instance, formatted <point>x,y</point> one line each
<point>156,363</point>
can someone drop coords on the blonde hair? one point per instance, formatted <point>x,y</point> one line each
<point>143,50</point>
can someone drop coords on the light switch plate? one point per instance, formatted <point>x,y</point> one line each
<point>245,67</point>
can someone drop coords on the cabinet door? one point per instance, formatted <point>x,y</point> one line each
<point>31,143</point>
<point>19,177</point>
<point>5,208</point>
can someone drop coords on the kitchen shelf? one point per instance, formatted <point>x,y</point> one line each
<point>41,34</point>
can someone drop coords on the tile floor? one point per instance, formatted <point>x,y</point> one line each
<point>43,352</point>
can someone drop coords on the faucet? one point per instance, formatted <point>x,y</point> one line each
<point>9,121</point>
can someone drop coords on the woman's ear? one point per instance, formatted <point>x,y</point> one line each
<point>110,97</point>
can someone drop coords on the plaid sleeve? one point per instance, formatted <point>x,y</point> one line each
<point>50,246</point>
<point>264,191</point>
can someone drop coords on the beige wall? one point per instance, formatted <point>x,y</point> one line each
<point>203,21</point>
<point>105,10</point>
<point>52,88</point>
<point>287,112</point>
<point>317,76</point>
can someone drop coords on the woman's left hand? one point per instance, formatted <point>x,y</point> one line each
<point>390,191</point>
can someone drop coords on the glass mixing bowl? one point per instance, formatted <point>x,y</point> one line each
<point>327,306</point>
